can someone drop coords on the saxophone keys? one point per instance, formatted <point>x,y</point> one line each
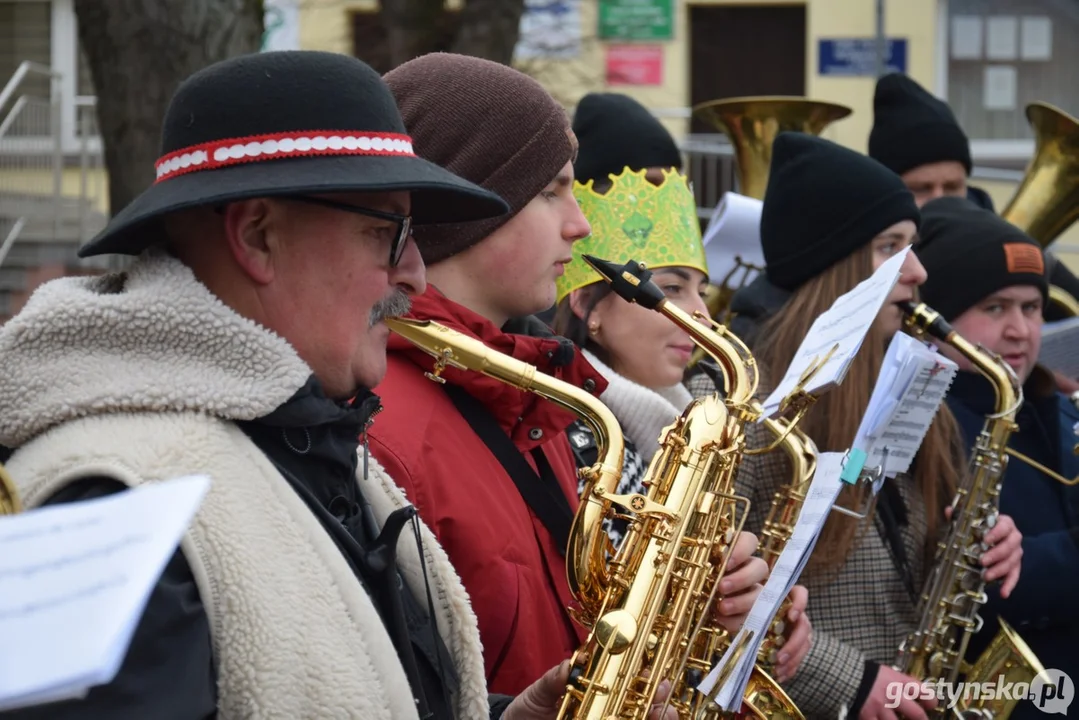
<point>616,631</point>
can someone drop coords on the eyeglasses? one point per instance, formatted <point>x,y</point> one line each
<point>404,222</point>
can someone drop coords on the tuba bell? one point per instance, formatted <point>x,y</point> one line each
<point>752,124</point>
<point>1047,201</point>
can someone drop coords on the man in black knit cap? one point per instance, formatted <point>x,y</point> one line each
<point>987,279</point>
<point>917,136</point>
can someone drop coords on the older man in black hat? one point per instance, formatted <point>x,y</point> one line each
<point>241,344</point>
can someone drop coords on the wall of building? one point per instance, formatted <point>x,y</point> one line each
<point>325,25</point>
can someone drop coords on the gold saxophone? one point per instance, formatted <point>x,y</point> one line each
<point>656,613</point>
<point>786,505</point>
<point>949,610</point>
<point>9,496</point>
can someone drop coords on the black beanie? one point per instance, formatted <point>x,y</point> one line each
<point>614,132</point>
<point>912,128</point>
<point>970,253</point>
<point>824,202</point>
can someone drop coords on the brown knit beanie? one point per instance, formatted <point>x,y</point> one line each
<point>487,123</point>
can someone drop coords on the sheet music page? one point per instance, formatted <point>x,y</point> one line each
<point>903,405</point>
<point>74,580</point>
<point>822,494</point>
<point>733,233</point>
<point>1060,347</point>
<point>844,324</point>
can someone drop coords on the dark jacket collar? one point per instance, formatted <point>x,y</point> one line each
<point>975,392</point>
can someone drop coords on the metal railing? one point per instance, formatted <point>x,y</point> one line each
<point>31,154</point>
<point>33,160</point>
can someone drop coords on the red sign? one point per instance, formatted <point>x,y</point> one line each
<point>634,65</point>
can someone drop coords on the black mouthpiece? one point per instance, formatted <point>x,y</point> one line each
<point>926,319</point>
<point>632,282</point>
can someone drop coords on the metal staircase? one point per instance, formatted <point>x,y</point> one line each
<point>50,195</point>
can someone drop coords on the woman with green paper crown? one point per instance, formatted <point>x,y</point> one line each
<point>640,353</point>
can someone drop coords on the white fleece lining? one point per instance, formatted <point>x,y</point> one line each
<point>141,385</point>
<point>642,412</point>
<point>78,349</point>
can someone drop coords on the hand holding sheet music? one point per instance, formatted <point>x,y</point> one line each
<point>843,326</point>
<point>822,494</point>
<point>74,580</point>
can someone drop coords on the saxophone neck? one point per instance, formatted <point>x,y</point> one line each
<point>922,322</point>
<point>632,282</point>
<point>451,348</point>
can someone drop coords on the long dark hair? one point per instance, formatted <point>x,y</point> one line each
<point>833,420</point>
<point>569,325</point>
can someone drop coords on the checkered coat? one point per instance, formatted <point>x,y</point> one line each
<point>860,613</point>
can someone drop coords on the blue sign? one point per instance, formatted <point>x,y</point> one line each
<point>855,57</point>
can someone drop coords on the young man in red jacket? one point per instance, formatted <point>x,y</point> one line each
<point>442,443</point>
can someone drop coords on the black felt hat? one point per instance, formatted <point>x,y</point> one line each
<point>281,123</point>
<point>824,202</point>
<point>912,128</point>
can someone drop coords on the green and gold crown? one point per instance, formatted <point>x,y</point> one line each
<point>653,224</point>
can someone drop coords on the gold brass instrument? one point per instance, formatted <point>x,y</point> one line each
<point>1047,202</point>
<point>786,505</point>
<point>643,605</point>
<point>9,496</point>
<point>586,558</point>
<point>956,590</point>
<point>752,124</point>
<point>666,572</point>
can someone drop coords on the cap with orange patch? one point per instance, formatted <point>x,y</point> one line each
<point>969,253</point>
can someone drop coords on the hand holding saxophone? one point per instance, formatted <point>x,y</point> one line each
<point>1003,561</point>
<point>741,584</point>
<point>542,699</point>
<point>799,636</point>
<point>880,703</point>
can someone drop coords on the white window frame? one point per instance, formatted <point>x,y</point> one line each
<point>981,150</point>
<point>63,42</point>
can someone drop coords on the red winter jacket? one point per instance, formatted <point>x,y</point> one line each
<point>509,563</point>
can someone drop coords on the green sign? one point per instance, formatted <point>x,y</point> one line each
<point>636,20</point>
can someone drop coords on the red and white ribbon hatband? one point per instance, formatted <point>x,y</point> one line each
<point>255,148</point>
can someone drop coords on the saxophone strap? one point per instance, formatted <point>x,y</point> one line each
<point>541,492</point>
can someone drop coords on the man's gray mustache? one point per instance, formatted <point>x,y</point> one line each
<point>393,306</point>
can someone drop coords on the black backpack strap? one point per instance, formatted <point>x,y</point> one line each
<point>541,492</point>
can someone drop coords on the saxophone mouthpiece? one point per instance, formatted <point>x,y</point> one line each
<point>631,282</point>
<point>925,319</point>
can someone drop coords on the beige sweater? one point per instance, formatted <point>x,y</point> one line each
<point>140,377</point>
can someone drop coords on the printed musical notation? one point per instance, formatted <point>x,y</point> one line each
<point>910,388</point>
<point>821,496</point>
<point>843,326</point>
<point>74,579</point>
